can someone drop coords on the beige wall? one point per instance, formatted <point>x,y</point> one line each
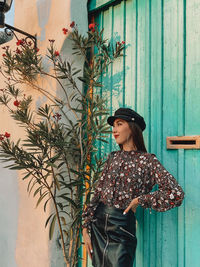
<point>25,231</point>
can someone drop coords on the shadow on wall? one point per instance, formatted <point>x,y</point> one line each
<point>77,7</point>
<point>79,14</point>
<point>43,9</point>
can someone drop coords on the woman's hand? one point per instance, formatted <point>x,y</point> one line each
<point>87,241</point>
<point>133,205</point>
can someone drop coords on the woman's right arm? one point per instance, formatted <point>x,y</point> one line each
<point>87,241</point>
<point>88,212</point>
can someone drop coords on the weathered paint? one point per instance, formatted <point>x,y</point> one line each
<point>159,78</point>
<point>97,4</point>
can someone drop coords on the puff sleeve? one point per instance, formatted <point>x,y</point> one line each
<point>88,212</point>
<point>169,195</point>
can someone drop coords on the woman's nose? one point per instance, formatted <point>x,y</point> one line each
<point>114,131</point>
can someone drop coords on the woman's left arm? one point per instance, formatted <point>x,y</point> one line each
<point>169,195</point>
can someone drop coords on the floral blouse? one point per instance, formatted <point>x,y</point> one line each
<point>131,174</point>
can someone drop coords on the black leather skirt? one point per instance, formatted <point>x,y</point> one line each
<point>113,237</point>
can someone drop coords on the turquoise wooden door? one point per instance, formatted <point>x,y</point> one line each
<point>159,78</point>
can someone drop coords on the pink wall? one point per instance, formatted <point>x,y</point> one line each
<point>46,18</point>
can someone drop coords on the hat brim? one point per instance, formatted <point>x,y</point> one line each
<point>111,119</point>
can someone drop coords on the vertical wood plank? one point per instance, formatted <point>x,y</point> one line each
<point>143,66</point>
<point>130,54</point>
<point>118,66</point>
<point>181,211</point>
<point>172,70</point>
<point>107,78</point>
<point>130,78</point>
<point>181,9</point>
<point>192,126</point>
<point>142,107</point>
<point>155,131</point>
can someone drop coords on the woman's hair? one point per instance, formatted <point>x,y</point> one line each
<point>137,136</point>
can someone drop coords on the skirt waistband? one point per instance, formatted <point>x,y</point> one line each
<point>102,208</point>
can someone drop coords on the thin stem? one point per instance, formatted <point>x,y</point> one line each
<point>60,230</point>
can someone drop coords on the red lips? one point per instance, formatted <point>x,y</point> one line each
<point>116,135</point>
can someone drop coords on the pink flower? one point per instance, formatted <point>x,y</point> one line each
<point>72,24</point>
<point>7,135</point>
<point>123,42</point>
<point>91,26</point>
<point>56,53</point>
<point>19,42</point>
<point>18,51</point>
<point>57,116</point>
<point>65,31</point>
<point>16,103</point>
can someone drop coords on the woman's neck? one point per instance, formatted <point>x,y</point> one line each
<point>129,148</point>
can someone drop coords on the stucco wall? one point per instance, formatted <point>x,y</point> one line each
<point>23,238</point>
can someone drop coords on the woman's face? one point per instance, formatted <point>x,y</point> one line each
<point>122,132</point>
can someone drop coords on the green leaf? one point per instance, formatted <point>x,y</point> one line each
<point>102,140</point>
<point>29,184</point>
<point>63,220</point>
<point>70,185</point>
<point>52,227</point>
<point>38,190</point>
<point>47,221</point>
<point>57,183</point>
<point>77,71</point>
<point>17,167</point>
<point>61,164</point>
<point>74,171</point>
<point>83,79</point>
<point>62,77</point>
<point>51,165</point>
<point>41,198</point>
<point>26,176</point>
<point>63,196</point>
<point>45,204</point>
<point>65,233</point>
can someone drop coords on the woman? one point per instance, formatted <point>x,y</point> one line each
<point>126,181</point>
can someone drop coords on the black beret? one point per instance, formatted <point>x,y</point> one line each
<point>127,114</point>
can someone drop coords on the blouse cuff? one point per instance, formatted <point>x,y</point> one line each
<point>144,201</point>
